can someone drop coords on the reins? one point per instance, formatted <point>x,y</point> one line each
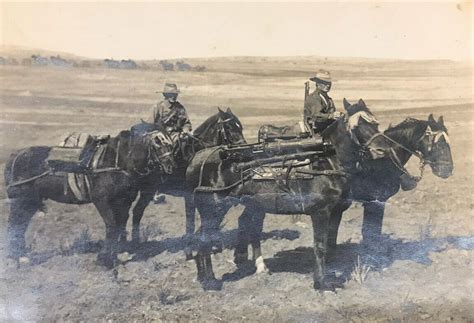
<point>396,160</point>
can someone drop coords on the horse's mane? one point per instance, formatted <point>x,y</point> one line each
<point>404,125</point>
<point>204,127</point>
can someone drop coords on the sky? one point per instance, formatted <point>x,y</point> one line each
<point>424,30</point>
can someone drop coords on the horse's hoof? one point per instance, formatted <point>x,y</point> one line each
<point>261,268</point>
<point>323,287</point>
<point>189,255</point>
<point>216,249</point>
<point>105,261</point>
<point>24,260</point>
<point>211,284</point>
<point>159,199</point>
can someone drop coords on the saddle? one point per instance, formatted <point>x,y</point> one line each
<point>269,133</point>
<point>76,152</point>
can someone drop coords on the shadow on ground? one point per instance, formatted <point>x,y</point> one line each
<point>341,263</point>
<point>150,249</point>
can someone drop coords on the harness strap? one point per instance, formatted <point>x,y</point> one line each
<point>380,134</point>
<point>328,172</point>
<point>29,179</point>
<point>204,163</point>
<point>209,189</point>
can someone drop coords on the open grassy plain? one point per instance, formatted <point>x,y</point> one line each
<point>426,273</point>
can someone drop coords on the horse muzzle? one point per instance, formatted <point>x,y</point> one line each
<point>442,170</point>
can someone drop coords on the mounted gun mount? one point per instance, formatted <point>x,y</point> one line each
<point>282,149</point>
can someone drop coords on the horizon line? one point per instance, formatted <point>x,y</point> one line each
<point>21,47</point>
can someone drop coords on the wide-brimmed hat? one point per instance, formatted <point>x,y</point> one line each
<point>322,76</point>
<point>170,88</point>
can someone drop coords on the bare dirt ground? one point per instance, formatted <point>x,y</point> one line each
<point>423,272</point>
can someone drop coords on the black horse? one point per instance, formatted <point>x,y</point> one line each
<point>218,187</point>
<point>374,163</point>
<point>377,179</point>
<point>126,161</point>
<point>223,128</point>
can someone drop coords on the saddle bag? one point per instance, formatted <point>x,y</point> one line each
<point>75,153</point>
<point>66,159</point>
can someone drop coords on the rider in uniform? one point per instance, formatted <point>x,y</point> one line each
<point>171,112</point>
<point>318,106</point>
<point>174,116</point>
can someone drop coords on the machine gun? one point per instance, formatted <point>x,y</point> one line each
<point>244,153</point>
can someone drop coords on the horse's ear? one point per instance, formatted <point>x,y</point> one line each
<point>441,121</point>
<point>219,108</point>
<point>228,110</point>
<point>346,104</point>
<point>362,103</point>
<point>431,118</point>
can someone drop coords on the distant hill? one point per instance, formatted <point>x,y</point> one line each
<point>282,66</point>
<point>20,52</point>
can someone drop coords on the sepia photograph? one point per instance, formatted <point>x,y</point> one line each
<point>237,161</point>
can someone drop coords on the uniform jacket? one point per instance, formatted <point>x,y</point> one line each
<point>318,106</point>
<point>173,115</point>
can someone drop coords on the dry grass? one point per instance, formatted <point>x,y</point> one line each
<point>360,272</point>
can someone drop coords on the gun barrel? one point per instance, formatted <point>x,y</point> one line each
<point>277,148</point>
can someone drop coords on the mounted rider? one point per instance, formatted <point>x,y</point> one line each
<point>319,107</point>
<point>174,116</point>
<point>171,112</point>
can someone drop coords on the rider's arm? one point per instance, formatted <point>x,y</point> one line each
<point>183,121</point>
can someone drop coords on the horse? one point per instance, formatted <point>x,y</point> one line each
<point>218,186</point>
<point>113,185</point>
<point>375,164</point>
<point>379,179</point>
<point>223,128</point>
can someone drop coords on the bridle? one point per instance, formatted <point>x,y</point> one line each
<point>221,130</point>
<point>433,138</point>
<point>155,154</point>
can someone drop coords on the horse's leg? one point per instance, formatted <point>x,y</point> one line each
<point>115,215</point>
<point>21,212</point>
<point>334,223</point>
<point>145,198</point>
<point>212,213</point>
<point>373,220</point>
<point>241,254</point>
<point>320,221</point>
<point>255,235</point>
<point>190,210</point>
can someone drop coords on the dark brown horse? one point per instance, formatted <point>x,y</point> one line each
<point>223,128</point>
<point>376,180</point>
<point>375,163</point>
<point>128,159</point>
<point>219,186</point>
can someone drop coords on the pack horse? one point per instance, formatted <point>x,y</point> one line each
<point>108,173</point>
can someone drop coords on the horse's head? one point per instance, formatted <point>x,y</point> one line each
<point>360,121</point>
<point>223,128</point>
<point>152,148</point>
<point>230,128</point>
<point>435,149</point>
